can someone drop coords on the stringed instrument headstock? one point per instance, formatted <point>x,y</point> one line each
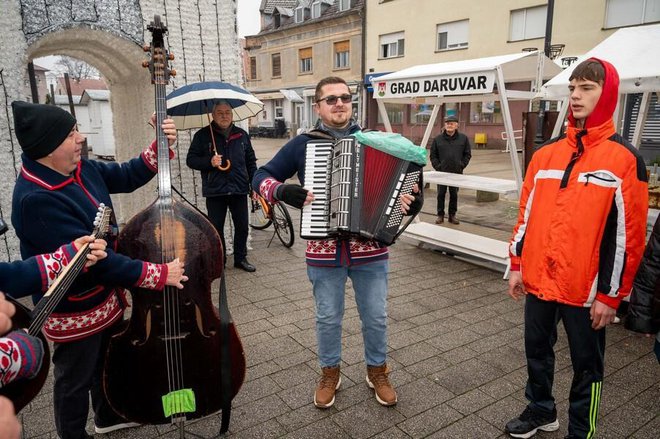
<point>159,57</point>
<point>102,221</point>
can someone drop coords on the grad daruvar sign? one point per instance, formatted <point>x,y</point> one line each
<point>445,85</point>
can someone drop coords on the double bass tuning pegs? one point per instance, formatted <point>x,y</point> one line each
<point>170,56</point>
<point>145,64</point>
<point>146,48</point>
<point>173,72</point>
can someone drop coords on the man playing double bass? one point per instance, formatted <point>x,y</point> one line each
<point>55,200</point>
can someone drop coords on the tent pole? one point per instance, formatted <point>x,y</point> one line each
<point>641,119</point>
<point>383,115</point>
<point>561,117</point>
<point>508,127</point>
<point>429,126</point>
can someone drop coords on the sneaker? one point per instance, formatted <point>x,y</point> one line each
<point>109,428</point>
<point>616,320</point>
<point>377,379</point>
<point>324,396</point>
<point>528,423</point>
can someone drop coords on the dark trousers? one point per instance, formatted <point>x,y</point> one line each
<point>453,199</point>
<point>78,368</point>
<point>587,356</point>
<point>238,206</point>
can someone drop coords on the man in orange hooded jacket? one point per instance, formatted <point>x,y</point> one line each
<point>575,249</point>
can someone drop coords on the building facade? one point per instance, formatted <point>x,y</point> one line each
<point>405,33</point>
<point>301,42</point>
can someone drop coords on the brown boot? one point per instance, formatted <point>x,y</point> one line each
<point>324,396</point>
<point>440,219</point>
<point>454,220</point>
<point>377,379</point>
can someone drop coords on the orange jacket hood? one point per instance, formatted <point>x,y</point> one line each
<point>606,105</point>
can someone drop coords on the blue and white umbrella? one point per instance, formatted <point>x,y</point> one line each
<point>191,105</point>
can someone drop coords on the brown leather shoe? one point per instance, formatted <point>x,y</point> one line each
<point>324,396</point>
<point>454,220</point>
<point>440,219</point>
<point>377,379</point>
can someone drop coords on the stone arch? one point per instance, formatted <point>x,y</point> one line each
<point>132,98</point>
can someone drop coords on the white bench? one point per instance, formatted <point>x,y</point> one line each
<point>474,248</point>
<point>476,182</point>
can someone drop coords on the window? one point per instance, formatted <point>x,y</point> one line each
<point>620,13</point>
<point>342,54</point>
<point>276,19</point>
<point>344,5</point>
<point>394,113</point>
<point>392,45</point>
<point>300,14</point>
<point>253,67</point>
<point>276,65</point>
<point>420,114</point>
<point>316,9</point>
<point>528,23</point>
<point>485,112</point>
<point>305,57</point>
<point>453,35</point>
<point>279,112</point>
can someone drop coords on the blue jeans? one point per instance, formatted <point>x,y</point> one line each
<point>370,286</point>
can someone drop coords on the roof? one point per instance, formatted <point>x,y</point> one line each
<point>269,5</point>
<point>634,53</point>
<point>287,9</point>
<point>95,95</point>
<point>64,99</point>
<point>79,86</point>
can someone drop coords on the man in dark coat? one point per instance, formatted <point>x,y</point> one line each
<point>450,152</point>
<point>644,311</point>
<point>224,155</point>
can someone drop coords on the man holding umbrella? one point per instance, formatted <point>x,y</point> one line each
<point>224,155</point>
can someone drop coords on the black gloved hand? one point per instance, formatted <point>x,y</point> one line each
<point>292,194</point>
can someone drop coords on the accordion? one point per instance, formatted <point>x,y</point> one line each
<point>356,189</point>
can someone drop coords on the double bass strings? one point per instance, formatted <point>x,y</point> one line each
<point>173,348</point>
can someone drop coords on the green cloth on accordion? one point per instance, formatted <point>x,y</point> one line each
<point>393,144</point>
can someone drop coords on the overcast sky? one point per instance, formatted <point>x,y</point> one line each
<point>248,17</point>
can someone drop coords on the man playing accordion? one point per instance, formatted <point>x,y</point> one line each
<point>331,261</point>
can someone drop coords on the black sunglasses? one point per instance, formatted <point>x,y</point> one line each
<point>332,100</point>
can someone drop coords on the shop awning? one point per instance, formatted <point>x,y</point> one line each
<point>269,96</point>
<point>291,95</point>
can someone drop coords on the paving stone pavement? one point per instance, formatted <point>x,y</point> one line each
<point>455,347</point>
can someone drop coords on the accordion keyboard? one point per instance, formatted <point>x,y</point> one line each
<point>314,218</point>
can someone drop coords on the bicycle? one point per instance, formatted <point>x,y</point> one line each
<point>263,214</point>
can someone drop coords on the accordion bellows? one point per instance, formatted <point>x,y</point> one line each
<point>356,189</point>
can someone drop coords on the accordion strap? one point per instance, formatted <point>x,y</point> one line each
<point>317,134</point>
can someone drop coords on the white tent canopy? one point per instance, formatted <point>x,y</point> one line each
<point>634,51</point>
<point>473,80</point>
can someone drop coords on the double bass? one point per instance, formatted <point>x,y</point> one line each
<point>179,357</point>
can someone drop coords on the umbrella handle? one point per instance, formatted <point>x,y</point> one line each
<point>227,165</point>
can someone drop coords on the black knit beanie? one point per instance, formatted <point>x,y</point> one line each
<point>39,128</point>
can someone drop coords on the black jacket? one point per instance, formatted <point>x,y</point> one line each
<point>450,153</point>
<point>237,148</point>
<point>644,311</point>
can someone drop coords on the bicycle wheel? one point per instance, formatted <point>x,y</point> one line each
<point>283,224</point>
<point>259,219</point>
